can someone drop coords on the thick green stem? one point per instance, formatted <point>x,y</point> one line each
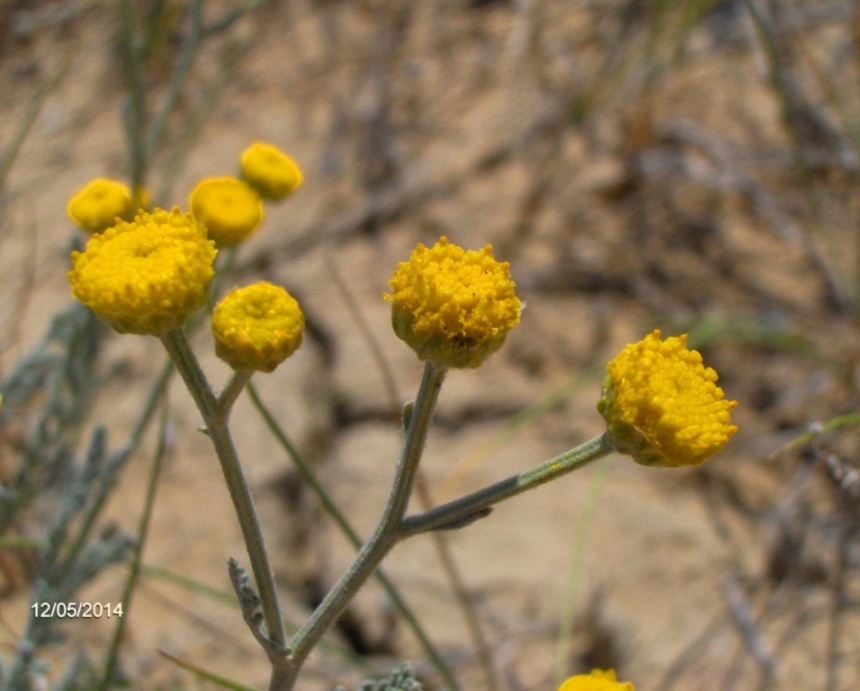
<point>476,505</point>
<point>386,533</point>
<point>215,419</point>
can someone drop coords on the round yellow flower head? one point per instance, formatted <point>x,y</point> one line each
<point>662,405</point>
<point>148,275</point>
<point>230,209</point>
<point>598,680</point>
<point>97,206</point>
<point>453,307</point>
<point>270,171</point>
<point>257,327</point>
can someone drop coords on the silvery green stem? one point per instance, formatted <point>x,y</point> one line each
<point>478,504</point>
<point>215,419</point>
<point>386,533</point>
<point>235,385</point>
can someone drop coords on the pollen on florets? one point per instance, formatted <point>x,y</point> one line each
<point>452,306</point>
<point>257,327</point>
<point>230,209</point>
<point>663,406</point>
<point>145,276</point>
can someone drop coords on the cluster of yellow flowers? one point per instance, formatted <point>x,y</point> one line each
<point>453,307</point>
<point>232,208</point>
<point>147,272</point>
<point>661,404</point>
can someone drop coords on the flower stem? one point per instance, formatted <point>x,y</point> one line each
<point>176,344</point>
<point>386,533</point>
<point>215,419</point>
<point>478,504</point>
<point>235,385</point>
<point>351,534</point>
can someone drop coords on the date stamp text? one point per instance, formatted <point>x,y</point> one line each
<point>76,610</point>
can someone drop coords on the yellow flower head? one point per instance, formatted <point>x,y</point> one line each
<point>662,405</point>
<point>230,209</point>
<point>598,680</point>
<point>453,307</point>
<point>145,276</point>
<point>97,206</point>
<point>270,171</point>
<point>257,327</point>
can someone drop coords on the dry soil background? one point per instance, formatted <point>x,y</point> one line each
<point>640,166</point>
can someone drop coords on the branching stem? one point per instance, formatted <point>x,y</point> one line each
<point>384,536</point>
<point>215,417</point>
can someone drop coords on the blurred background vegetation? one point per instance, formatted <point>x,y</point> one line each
<point>689,165</point>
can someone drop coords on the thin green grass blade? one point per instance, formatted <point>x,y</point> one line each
<point>205,674</point>
<point>578,550</point>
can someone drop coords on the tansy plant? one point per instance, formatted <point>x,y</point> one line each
<point>147,272</point>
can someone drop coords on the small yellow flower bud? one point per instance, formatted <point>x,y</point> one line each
<point>662,405</point>
<point>97,206</point>
<point>145,276</point>
<point>453,307</point>
<point>270,171</point>
<point>598,680</point>
<point>257,327</point>
<point>230,209</point>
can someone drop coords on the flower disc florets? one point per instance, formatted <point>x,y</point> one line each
<point>145,276</point>
<point>97,206</point>
<point>257,327</point>
<point>598,680</point>
<point>230,209</point>
<point>270,171</point>
<point>662,405</point>
<point>453,307</point>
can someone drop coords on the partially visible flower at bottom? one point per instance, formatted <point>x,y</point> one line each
<point>146,276</point>
<point>662,405</point>
<point>270,171</point>
<point>257,327</point>
<point>230,209</point>
<point>96,206</point>
<point>598,680</point>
